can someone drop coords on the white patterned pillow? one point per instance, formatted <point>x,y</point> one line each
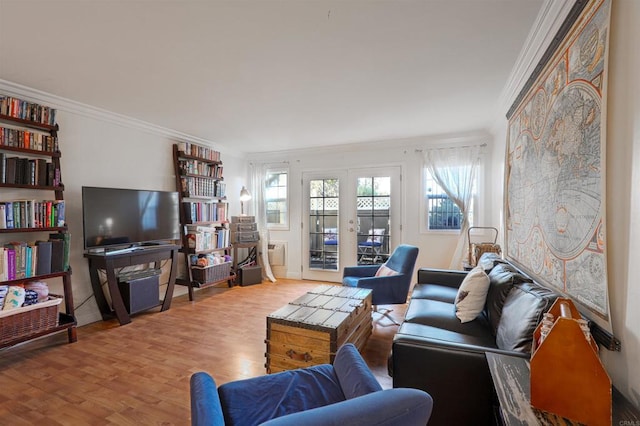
<point>14,298</point>
<point>385,271</point>
<point>472,295</point>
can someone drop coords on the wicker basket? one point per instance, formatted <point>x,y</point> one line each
<point>28,320</point>
<point>209,274</point>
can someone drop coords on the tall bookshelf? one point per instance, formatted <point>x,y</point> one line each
<point>203,216</point>
<point>32,209</point>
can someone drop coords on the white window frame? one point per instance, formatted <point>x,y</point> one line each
<point>424,204</point>
<point>278,170</point>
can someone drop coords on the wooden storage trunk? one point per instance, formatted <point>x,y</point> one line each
<point>309,330</point>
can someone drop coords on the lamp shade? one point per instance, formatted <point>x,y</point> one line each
<point>245,195</point>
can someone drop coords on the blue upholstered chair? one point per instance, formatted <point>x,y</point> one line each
<point>345,393</point>
<point>390,281</point>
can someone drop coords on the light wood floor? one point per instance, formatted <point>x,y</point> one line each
<point>138,374</point>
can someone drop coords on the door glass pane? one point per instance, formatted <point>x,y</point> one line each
<point>323,224</point>
<point>374,209</point>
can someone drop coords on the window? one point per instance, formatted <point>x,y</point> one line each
<point>442,212</point>
<point>276,198</point>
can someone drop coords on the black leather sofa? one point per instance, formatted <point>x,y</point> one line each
<point>435,352</point>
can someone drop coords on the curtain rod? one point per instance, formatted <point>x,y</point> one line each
<point>274,163</point>
<point>482,145</point>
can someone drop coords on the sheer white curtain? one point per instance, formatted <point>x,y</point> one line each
<point>260,209</point>
<point>455,170</point>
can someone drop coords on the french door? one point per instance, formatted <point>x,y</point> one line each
<point>350,217</point>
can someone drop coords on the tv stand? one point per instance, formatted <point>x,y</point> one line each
<point>111,261</point>
<point>109,252</point>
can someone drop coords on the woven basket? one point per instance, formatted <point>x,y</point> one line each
<point>212,273</point>
<point>478,249</point>
<point>28,320</point>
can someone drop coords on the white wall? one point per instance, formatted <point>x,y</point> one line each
<point>623,195</point>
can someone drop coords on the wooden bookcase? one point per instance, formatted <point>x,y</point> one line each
<point>28,132</point>
<point>203,206</point>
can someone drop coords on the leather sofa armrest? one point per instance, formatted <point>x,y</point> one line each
<point>446,277</point>
<point>456,376</point>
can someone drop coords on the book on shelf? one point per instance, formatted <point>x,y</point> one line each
<point>17,258</point>
<point>21,260</point>
<point>204,211</point>
<point>65,239</point>
<point>196,150</point>
<point>57,255</point>
<point>32,214</point>
<point>31,111</point>
<point>11,263</point>
<point>43,264</point>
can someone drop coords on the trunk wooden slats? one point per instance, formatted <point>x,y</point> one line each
<point>309,330</point>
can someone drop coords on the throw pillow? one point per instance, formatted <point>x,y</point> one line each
<point>472,295</point>
<point>385,271</point>
<point>14,298</point>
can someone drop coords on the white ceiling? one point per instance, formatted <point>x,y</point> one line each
<point>263,75</point>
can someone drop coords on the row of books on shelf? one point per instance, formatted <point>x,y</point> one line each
<point>18,108</point>
<point>195,167</point>
<point>32,214</point>
<point>196,150</point>
<point>17,138</point>
<point>208,237</point>
<point>201,187</point>
<point>28,171</point>
<point>21,260</point>
<point>204,212</point>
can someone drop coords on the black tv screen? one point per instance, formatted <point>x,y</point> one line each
<point>113,217</point>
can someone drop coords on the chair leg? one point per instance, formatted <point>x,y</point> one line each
<point>384,313</point>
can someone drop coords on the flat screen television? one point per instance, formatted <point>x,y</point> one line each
<point>115,218</point>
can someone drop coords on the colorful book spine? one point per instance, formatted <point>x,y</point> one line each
<point>11,264</point>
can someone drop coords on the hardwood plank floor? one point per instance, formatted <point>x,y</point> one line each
<point>138,374</point>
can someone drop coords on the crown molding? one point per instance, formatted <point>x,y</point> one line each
<point>547,24</point>
<point>408,144</point>
<point>78,108</point>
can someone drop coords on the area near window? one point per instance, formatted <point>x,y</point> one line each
<point>276,198</point>
<point>442,214</point>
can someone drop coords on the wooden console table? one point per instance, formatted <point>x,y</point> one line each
<point>511,375</point>
<point>110,262</point>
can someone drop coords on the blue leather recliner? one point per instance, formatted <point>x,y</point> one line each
<point>345,393</point>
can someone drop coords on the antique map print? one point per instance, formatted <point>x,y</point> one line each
<point>555,167</point>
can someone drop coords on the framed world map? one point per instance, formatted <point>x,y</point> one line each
<point>555,163</point>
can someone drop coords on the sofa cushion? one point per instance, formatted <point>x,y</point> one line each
<point>501,279</point>
<point>521,314</point>
<point>488,260</point>
<point>442,315</point>
<point>438,337</point>
<point>434,292</point>
<point>472,295</point>
<point>291,392</point>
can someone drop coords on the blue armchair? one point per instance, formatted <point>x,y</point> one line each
<point>390,281</point>
<point>344,393</point>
